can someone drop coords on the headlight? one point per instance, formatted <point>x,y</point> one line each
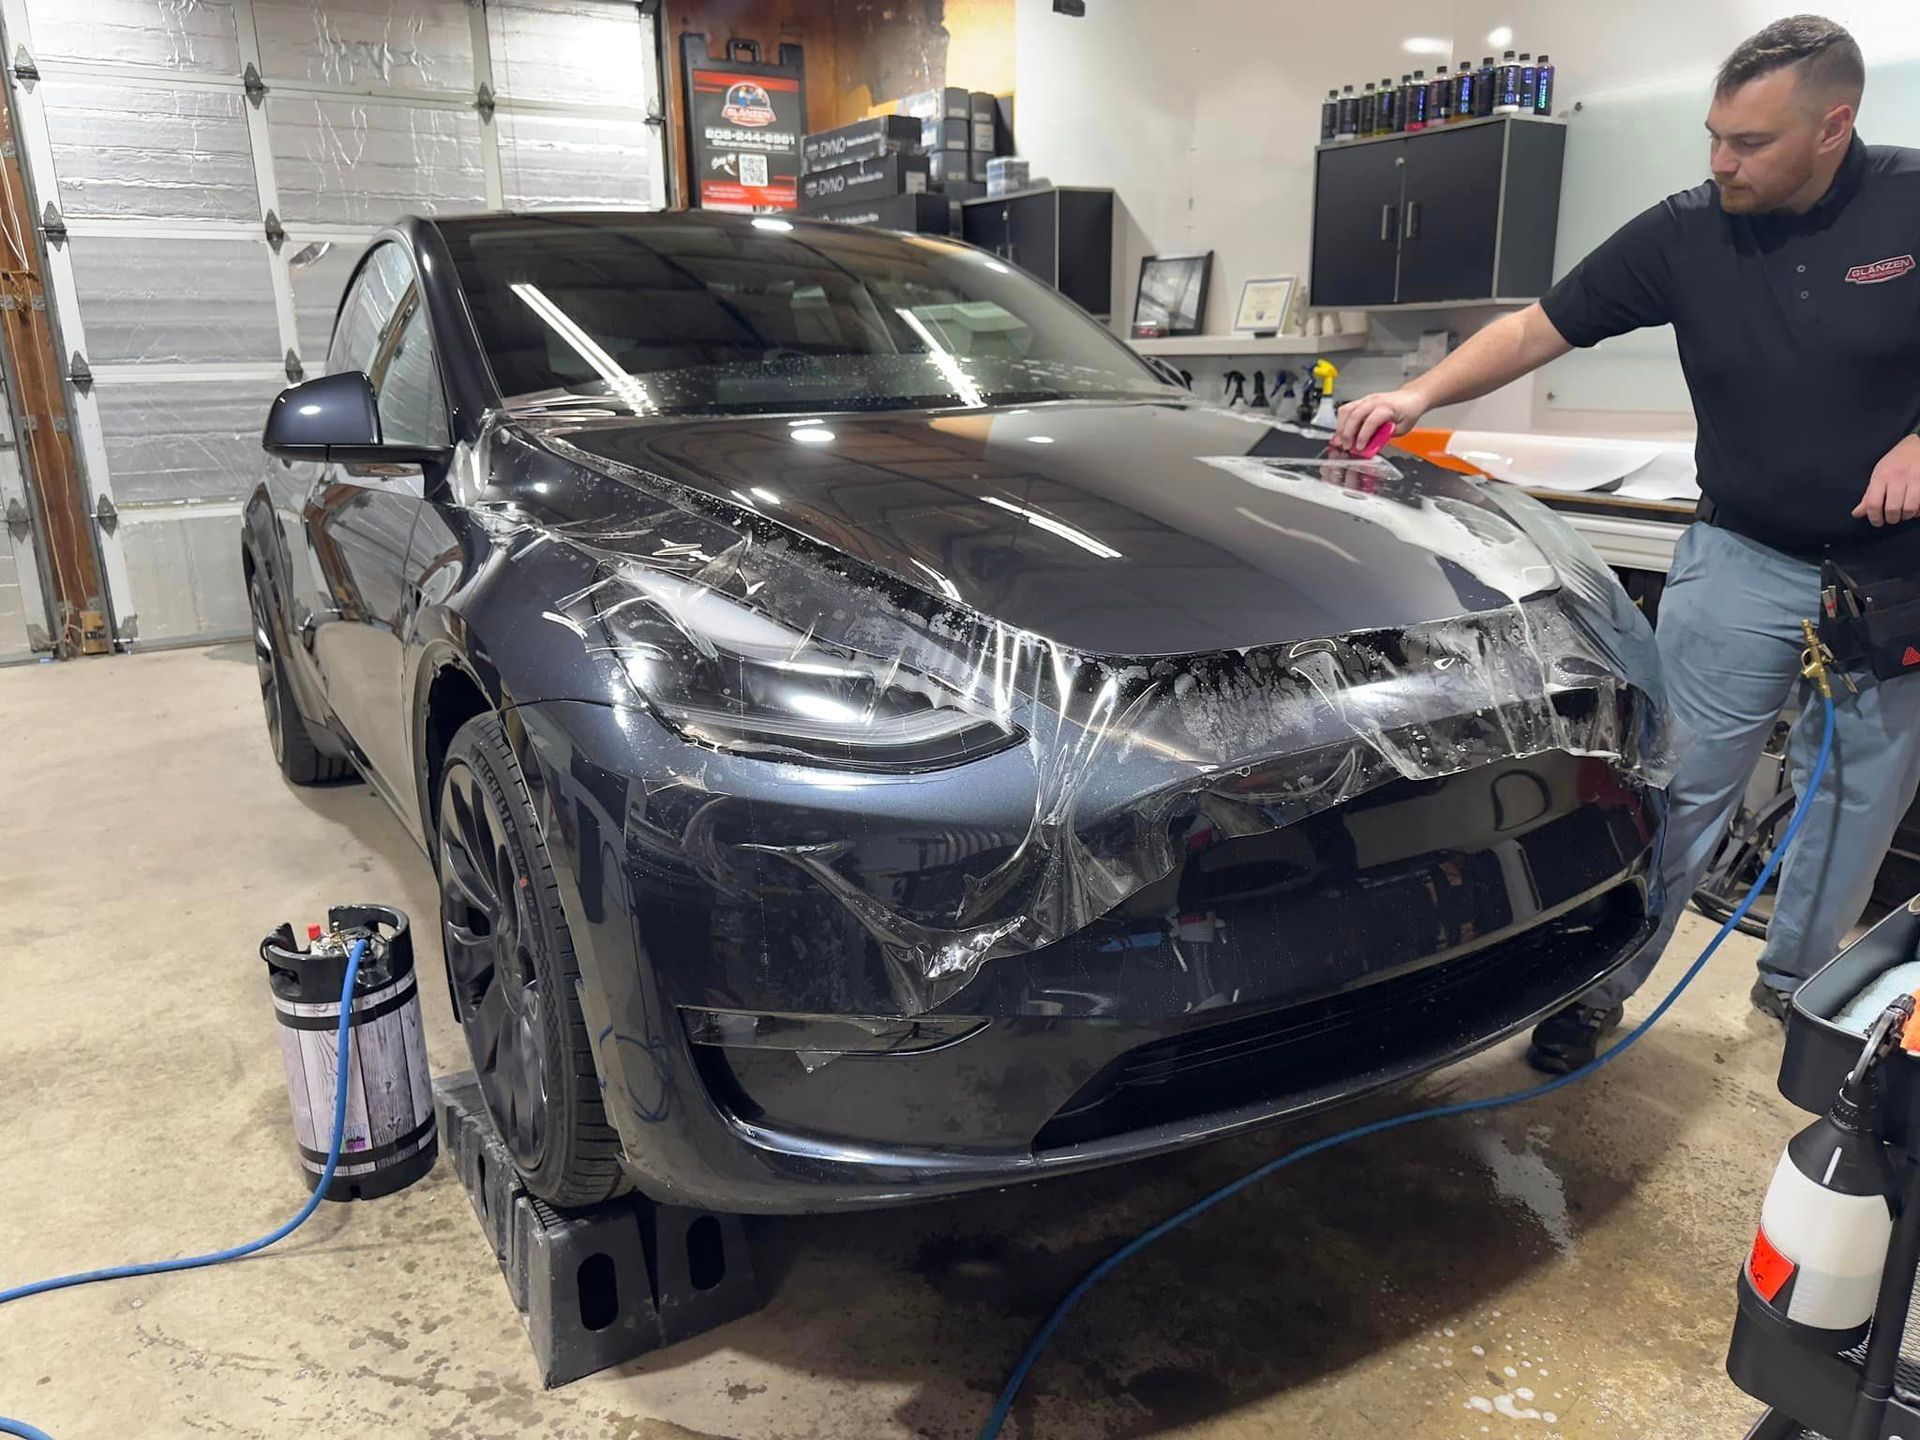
<point>725,675</point>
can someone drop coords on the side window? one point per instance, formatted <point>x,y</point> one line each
<point>369,309</point>
<point>412,411</point>
<point>383,331</point>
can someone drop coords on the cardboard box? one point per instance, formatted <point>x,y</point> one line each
<point>947,134</point>
<point>977,165</point>
<point>927,212</point>
<point>863,140</point>
<point>952,103</point>
<point>947,166</point>
<point>867,180</point>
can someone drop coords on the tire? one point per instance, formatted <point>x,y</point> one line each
<point>300,760</point>
<point>512,969</point>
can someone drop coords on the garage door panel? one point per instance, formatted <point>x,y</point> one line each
<point>175,301</point>
<point>573,50</point>
<point>186,576</point>
<point>150,151</point>
<point>412,44</point>
<point>365,162</point>
<point>562,160</point>
<point>198,36</point>
<point>180,440</point>
<point>320,273</point>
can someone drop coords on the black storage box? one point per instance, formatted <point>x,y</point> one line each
<point>862,140</point>
<point>868,180</point>
<point>977,165</point>
<point>948,134</point>
<point>986,123</point>
<point>952,103</point>
<point>927,213</point>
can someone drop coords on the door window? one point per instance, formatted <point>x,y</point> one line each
<point>383,332</point>
<point>371,303</point>
<point>405,382</point>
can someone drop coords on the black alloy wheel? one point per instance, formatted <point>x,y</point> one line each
<point>511,971</point>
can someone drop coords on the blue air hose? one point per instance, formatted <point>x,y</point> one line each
<point>216,1257</point>
<point>1379,1127</point>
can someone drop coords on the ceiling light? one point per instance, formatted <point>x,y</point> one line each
<point>812,435</point>
<point>1425,45</point>
<point>1500,36</point>
<point>767,222</point>
<point>1039,439</point>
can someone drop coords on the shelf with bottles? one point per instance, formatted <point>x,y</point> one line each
<point>1446,129</point>
<point>1516,85</point>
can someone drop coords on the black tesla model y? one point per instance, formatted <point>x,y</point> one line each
<point>876,738</point>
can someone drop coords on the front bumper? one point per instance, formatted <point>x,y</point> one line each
<point>1268,976</point>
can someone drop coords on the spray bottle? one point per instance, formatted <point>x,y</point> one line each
<point>1827,1221</point>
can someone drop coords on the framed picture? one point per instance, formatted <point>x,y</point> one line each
<point>1264,306</point>
<point>1173,292</point>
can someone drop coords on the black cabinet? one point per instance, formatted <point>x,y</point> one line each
<point>1062,235</point>
<point>1457,214</point>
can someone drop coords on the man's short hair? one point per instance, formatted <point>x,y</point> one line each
<point>1825,56</point>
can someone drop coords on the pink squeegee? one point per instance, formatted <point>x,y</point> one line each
<point>1378,443</point>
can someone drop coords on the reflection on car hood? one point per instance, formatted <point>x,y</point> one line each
<point>1115,528</point>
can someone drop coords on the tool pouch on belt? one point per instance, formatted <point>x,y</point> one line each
<point>1870,622</point>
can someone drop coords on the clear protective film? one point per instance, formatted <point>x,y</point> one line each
<point>757,646</point>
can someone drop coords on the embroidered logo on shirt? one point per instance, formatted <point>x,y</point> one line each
<point>1880,270</point>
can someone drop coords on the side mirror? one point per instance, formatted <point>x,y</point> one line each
<point>336,418</point>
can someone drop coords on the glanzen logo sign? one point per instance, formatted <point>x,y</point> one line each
<point>1880,270</point>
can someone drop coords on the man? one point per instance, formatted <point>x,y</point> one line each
<point>1791,282</point>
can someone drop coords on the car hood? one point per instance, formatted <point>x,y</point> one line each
<point>1135,529</point>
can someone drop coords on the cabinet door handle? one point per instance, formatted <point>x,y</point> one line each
<point>1388,223</point>
<point>1413,219</point>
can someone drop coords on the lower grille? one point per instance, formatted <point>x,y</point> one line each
<point>1360,1039</point>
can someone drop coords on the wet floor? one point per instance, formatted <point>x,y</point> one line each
<point>1565,1269</point>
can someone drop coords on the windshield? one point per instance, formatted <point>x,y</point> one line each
<point>688,315</point>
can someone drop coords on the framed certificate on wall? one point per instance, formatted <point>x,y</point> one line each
<point>1264,306</point>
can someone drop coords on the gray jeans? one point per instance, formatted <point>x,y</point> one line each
<point>1730,645</point>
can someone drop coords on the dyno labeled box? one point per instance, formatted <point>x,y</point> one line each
<point>863,140</point>
<point>867,180</point>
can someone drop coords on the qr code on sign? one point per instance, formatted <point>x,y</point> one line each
<point>753,170</point>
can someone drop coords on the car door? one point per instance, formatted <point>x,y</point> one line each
<point>359,518</point>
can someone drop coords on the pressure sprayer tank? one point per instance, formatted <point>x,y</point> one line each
<point>390,1140</point>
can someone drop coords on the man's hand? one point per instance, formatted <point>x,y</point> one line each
<point>1360,418</point>
<point>1893,495</point>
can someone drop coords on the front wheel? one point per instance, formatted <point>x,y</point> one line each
<point>511,966</point>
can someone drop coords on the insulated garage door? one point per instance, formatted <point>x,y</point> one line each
<point>206,174</point>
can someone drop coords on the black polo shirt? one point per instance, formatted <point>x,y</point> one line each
<point>1800,339</point>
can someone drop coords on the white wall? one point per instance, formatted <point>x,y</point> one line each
<point>1203,114</point>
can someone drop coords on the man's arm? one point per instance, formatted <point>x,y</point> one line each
<point>1893,495</point>
<point>1512,346</point>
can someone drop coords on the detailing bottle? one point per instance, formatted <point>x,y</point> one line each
<point>1483,87</point>
<point>1348,124</point>
<point>1825,1226</point>
<point>1506,86</point>
<point>1329,116</point>
<point>1440,97</point>
<point>1403,109</point>
<point>1529,82</point>
<point>1386,115</point>
<point>1417,101</point>
<point>1543,87</point>
<point>1369,110</point>
<point>1464,92</point>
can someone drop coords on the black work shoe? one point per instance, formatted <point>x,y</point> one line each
<point>1570,1038</point>
<point>1771,1001</point>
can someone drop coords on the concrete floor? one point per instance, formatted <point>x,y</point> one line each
<point>1572,1261</point>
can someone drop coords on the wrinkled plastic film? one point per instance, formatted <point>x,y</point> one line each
<point>1119,761</point>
